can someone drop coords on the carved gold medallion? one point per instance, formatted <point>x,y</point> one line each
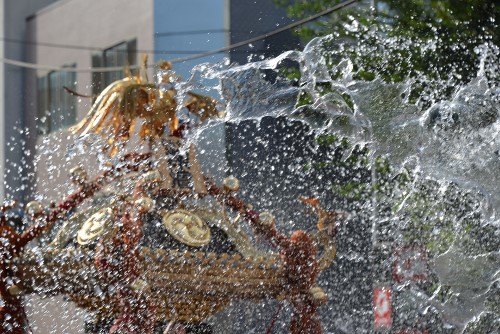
<point>187,227</point>
<point>94,226</point>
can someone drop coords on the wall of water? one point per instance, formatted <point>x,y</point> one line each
<point>430,178</point>
<point>408,173</point>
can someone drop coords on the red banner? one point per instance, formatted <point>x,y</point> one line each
<point>410,264</point>
<point>382,307</point>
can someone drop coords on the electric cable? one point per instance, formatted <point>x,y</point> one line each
<point>95,48</point>
<point>24,64</point>
<point>290,26</point>
<point>191,32</point>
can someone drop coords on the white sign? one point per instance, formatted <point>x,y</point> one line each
<point>382,307</point>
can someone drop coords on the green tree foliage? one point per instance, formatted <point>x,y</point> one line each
<point>438,45</point>
<point>430,213</point>
<point>437,38</point>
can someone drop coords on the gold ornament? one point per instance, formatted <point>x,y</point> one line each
<point>231,183</point>
<point>318,296</point>
<point>144,204</point>
<point>151,180</point>
<point>140,285</point>
<point>94,226</point>
<point>187,228</point>
<point>78,175</point>
<point>134,101</point>
<point>267,218</point>
<point>34,208</point>
<point>14,290</point>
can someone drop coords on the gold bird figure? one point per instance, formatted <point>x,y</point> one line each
<point>124,102</point>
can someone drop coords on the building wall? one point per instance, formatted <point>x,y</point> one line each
<point>13,15</point>
<point>189,26</point>
<point>249,19</point>
<point>97,24</point>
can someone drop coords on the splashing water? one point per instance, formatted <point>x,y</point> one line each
<point>424,172</point>
<point>449,147</point>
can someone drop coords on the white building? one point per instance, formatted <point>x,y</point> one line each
<point>83,35</point>
<point>81,38</point>
<point>12,46</point>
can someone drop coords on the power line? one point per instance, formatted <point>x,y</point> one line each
<point>290,26</point>
<point>191,32</point>
<point>93,48</point>
<point>52,45</point>
<point>61,69</point>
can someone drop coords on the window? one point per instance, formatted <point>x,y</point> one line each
<point>121,54</point>
<point>56,107</point>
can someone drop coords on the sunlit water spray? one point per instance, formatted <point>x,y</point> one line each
<point>449,144</point>
<point>443,156</point>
